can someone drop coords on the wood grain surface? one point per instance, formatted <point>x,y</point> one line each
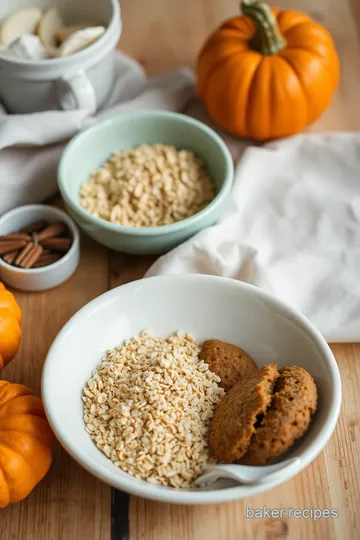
<point>72,505</point>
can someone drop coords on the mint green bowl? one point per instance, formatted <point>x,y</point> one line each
<point>93,146</point>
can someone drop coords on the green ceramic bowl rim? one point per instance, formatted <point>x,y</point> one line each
<point>161,229</point>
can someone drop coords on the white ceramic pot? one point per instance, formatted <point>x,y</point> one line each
<point>82,80</point>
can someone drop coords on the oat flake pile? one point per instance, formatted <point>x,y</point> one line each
<point>148,186</point>
<point>148,407</point>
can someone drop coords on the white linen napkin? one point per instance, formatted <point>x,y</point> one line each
<point>293,229</point>
<point>31,144</point>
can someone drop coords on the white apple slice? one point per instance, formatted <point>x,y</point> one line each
<point>65,31</point>
<point>49,24</point>
<point>28,47</point>
<point>80,40</point>
<point>19,23</point>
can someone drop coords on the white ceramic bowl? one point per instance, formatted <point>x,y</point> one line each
<point>80,81</point>
<point>207,307</point>
<point>47,277</point>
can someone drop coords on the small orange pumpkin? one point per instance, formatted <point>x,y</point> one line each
<point>268,73</point>
<point>25,442</point>
<point>10,331</point>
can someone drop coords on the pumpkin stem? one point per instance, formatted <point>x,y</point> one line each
<point>268,38</point>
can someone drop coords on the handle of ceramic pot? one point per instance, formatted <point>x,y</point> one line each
<point>76,92</point>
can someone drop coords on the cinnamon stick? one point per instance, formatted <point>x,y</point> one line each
<point>35,245</point>
<point>10,257</point>
<point>33,227</point>
<point>23,253</point>
<point>56,244</point>
<point>11,245</point>
<point>32,257</point>
<point>14,236</point>
<point>53,230</point>
<point>45,260</point>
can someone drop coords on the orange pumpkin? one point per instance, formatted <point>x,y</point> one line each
<point>25,442</point>
<point>10,331</point>
<point>268,73</point>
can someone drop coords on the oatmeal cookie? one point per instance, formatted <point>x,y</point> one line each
<point>227,361</point>
<point>236,416</point>
<point>287,418</point>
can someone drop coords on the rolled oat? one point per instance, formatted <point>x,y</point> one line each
<point>148,406</point>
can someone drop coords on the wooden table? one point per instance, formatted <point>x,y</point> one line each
<point>72,505</point>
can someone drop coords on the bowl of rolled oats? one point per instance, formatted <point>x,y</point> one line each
<point>132,393</point>
<point>144,182</point>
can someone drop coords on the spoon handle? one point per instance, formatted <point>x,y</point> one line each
<point>290,465</point>
<point>245,474</point>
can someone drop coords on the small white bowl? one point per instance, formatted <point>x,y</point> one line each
<point>47,277</point>
<point>207,307</point>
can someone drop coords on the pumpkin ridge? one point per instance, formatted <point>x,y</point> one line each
<point>304,48</point>
<point>10,329</point>
<point>213,71</point>
<point>320,35</point>
<point>292,28</point>
<point>33,435</point>
<point>233,24</point>
<point>8,302</point>
<point>300,83</point>
<point>4,486</point>
<point>22,457</point>
<point>213,43</point>
<point>250,89</point>
<point>314,53</point>
<point>22,395</point>
<point>10,335</point>
<point>28,415</point>
<point>272,90</point>
<point>3,444</point>
<point>19,455</point>
<point>282,17</point>
<point>217,64</point>
<point>329,74</point>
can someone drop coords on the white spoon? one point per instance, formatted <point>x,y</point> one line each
<point>245,474</point>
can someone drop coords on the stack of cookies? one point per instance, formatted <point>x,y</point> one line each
<point>264,411</point>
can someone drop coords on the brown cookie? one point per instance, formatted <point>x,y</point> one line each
<point>233,423</point>
<point>288,417</point>
<point>227,361</point>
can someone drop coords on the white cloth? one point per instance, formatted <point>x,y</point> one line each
<point>293,229</point>
<point>294,225</point>
<point>31,144</point>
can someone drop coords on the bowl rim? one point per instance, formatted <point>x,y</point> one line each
<point>63,216</point>
<point>160,493</point>
<point>161,229</point>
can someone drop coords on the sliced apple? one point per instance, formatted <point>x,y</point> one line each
<point>80,40</point>
<point>65,31</point>
<point>48,25</point>
<point>19,23</point>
